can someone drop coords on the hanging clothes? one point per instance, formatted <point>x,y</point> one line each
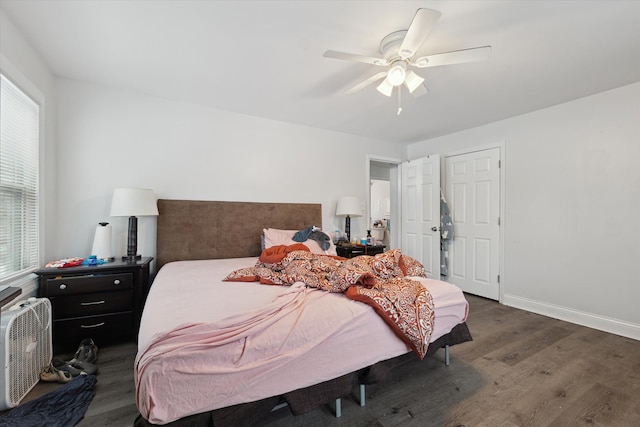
<point>446,236</point>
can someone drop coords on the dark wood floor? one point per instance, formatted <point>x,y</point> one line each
<point>521,369</point>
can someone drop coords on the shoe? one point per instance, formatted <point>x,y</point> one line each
<point>87,351</point>
<point>61,365</point>
<point>52,375</point>
<point>86,368</point>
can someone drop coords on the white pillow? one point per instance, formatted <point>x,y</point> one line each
<point>276,237</point>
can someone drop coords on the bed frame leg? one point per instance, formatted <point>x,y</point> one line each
<point>338,408</point>
<point>446,355</point>
<point>362,395</point>
<point>279,406</point>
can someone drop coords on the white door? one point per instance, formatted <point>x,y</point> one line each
<point>472,190</point>
<point>421,212</point>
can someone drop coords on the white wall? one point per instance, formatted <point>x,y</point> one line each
<point>572,227</point>
<point>110,138</point>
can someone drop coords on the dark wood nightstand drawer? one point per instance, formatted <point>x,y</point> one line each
<point>354,253</point>
<point>90,283</point>
<point>92,304</point>
<point>351,251</point>
<point>102,328</point>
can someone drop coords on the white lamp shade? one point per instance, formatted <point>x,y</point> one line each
<point>133,202</point>
<point>413,81</point>
<point>349,206</point>
<point>385,87</point>
<point>397,74</point>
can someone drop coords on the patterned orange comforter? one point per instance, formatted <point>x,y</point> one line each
<point>379,281</point>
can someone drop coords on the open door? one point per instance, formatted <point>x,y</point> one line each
<point>472,189</point>
<point>421,212</point>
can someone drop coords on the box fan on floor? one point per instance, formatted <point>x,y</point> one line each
<point>25,348</point>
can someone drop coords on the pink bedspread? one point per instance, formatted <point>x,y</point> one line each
<point>378,281</point>
<point>206,344</point>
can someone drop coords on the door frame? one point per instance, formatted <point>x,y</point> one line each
<point>502,187</point>
<point>395,232</point>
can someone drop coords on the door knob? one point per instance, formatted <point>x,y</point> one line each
<point>434,228</point>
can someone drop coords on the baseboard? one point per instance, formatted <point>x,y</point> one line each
<point>595,321</point>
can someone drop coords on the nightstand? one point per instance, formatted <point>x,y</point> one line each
<point>102,302</point>
<point>350,251</point>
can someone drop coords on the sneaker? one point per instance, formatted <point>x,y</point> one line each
<point>85,368</point>
<point>52,375</point>
<point>87,351</point>
<point>64,366</point>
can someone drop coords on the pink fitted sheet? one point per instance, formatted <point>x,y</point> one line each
<point>205,344</point>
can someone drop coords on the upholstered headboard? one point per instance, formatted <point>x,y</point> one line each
<point>189,229</point>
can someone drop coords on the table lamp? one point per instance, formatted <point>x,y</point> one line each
<point>348,206</point>
<point>133,202</point>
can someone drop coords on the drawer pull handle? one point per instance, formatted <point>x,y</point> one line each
<point>92,303</point>
<point>116,282</point>
<point>97,325</point>
<point>63,286</point>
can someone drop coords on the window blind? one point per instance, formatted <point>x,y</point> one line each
<point>19,142</point>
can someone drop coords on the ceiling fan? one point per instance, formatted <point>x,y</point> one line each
<point>398,50</point>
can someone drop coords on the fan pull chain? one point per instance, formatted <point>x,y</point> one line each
<point>399,100</point>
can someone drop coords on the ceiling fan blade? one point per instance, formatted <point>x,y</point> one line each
<point>420,91</point>
<point>367,82</point>
<point>355,58</point>
<point>385,88</point>
<point>455,57</point>
<point>421,25</point>
<point>412,81</point>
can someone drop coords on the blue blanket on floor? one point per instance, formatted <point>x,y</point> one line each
<point>63,407</point>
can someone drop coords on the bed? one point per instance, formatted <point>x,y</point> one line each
<point>216,352</point>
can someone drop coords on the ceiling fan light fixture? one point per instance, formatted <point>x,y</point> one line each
<point>385,87</point>
<point>397,73</point>
<point>412,81</point>
<point>398,50</point>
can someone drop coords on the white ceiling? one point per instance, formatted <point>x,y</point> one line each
<point>264,58</point>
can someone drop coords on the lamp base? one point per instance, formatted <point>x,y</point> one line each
<point>132,241</point>
<point>347,227</point>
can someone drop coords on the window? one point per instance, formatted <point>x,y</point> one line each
<point>19,143</point>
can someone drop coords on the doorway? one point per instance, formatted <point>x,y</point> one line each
<point>383,200</point>
<point>380,209</point>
